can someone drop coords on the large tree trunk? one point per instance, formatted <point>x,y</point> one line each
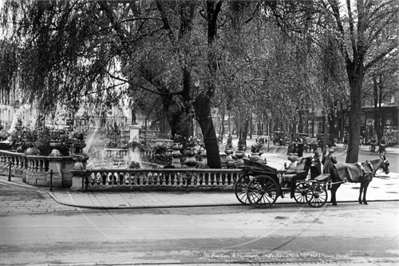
<point>202,107</point>
<point>355,74</point>
<point>177,116</point>
<point>202,104</point>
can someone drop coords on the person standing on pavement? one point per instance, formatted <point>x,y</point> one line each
<point>315,167</point>
<point>301,147</point>
<point>328,161</point>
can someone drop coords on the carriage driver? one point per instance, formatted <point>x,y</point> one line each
<point>328,161</point>
<point>315,168</point>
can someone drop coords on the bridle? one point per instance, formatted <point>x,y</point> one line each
<point>384,165</point>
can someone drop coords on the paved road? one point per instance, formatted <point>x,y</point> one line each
<point>56,234</point>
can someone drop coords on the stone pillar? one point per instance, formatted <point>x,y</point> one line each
<point>78,174</point>
<point>204,158</point>
<point>66,167</point>
<point>55,164</point>
<point>134,133</point>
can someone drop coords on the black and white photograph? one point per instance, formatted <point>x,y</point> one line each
<point>199,132</point>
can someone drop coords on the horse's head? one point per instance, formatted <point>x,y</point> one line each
<point>384,164</point>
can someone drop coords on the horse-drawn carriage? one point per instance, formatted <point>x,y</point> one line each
<point>260,185</point>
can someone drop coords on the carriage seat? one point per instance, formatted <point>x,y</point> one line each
<point>323,177</point>
<point>300,171</point>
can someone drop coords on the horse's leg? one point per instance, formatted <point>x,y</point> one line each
<point>361,191</point>
<point>334,189</point>
<point>366,185</point>
<point>293,185</point>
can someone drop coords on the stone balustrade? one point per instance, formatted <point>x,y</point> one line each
<point>17,160</point>
<point>155,179</point>
<point>38,170</point>
<point>71,173</point>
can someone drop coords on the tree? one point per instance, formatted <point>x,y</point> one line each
<point>8,69</point>
<point>357,30</point>
<point>98,51</point>
<point>382,80</point>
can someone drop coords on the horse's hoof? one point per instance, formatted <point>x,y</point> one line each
<point>365,203</point>
<point>334,204</point>
<point>360,202</point>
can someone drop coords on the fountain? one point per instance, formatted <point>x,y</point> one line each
<point>109,150</point>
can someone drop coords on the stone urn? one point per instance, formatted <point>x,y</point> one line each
<point>190,160</point>
<point>28,142</point>
<point>176,155</point>
<point>228,153</point>
<point>240,157</point>
<point>55,144</point>
<point>32,151</point>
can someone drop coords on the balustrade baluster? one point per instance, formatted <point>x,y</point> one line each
<point>126,178</point>
<point>156,178</point>
<point>96,178</point>
<point>225,179</point>
<point>121,178</point>
<point>41,165</point>
<point>114,177</point>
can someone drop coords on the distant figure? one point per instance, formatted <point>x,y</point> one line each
<point>230,141</point>
<point>301,148</point>
<point>315,168</point>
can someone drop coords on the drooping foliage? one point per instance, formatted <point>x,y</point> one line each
<point>181,59</point>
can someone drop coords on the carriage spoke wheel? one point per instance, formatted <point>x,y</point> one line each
<point>262,191</point>
<point>316,196</point>
<point>300,193</point>
<point>240,188</point>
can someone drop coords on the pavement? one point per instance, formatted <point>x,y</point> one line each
<point>382,188</point>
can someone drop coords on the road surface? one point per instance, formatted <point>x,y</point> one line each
<point>43,232</point>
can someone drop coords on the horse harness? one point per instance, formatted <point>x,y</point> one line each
<point>360,165</point>
<point>374,171</point>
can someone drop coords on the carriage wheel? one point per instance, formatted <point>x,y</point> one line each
<point>240,188</point>
<point>300,192</point>
<point>262,191</point>
<point>316,196</point>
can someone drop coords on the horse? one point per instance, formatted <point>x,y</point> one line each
<point>362,173</point>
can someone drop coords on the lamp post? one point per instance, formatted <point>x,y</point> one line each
<point>268,130</point>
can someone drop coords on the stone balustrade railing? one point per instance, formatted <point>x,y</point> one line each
<point>17,160</point>
<point>155,179</point>
<point>37,170</point>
